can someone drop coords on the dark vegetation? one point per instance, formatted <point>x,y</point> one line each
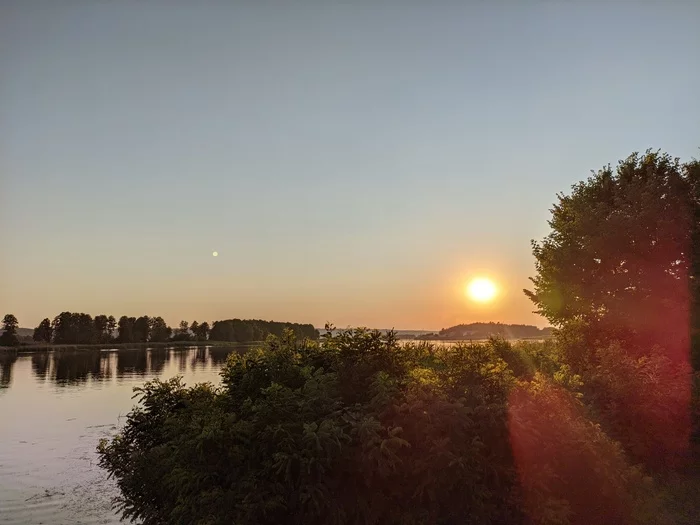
<point>240,331</point>
<point>9,331</point>
<point>479,331</point>
<point>81,329</point>
<point>596,425</point>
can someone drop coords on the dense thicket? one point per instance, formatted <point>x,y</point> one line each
<point>360,429</point>
<point>244,331</point>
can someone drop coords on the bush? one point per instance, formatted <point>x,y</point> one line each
<point>644,402</point>
<point>570,470</point>
<point>359,429</point>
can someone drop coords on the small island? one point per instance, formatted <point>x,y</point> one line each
<point>481,331</point>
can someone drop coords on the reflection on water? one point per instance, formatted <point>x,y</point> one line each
<point>6,364</point>
<point>65,368</point>
<point>55,407</point>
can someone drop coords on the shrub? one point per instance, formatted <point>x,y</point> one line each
<point>570,470</point>
<point>359,429</point>
<point>644,402</point>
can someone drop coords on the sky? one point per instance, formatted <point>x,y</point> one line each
<point>357,164</point>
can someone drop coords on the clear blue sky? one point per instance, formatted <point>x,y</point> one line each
<point>351,164</point>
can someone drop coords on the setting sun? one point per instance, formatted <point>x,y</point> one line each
<point>481,290</point>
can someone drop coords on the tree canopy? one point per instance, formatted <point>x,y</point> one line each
<point>247,330</point>
<point>9,331</point>
<point>43,332</point>
<point>621,262</point>
<point>82,328</point>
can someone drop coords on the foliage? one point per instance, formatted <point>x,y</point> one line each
<point>245,331</point>
<point>570,470</point>
<point>357,428</point>
<point>159,330</point>
<point>102,329</point>
<point>9,331</point>
<point>182,332</point>
<point>141,330</point>
<point>71,328</point>
<point>200,332</point>
<point>43,332</point>
<point>643,402</point>
<point>620,261</point>
<point>695,409</point>
<point>486,330</point>
<point>203,332</point>
<point>74,328</point>
<point>125,329</point>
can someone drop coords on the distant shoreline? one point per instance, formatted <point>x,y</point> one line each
<point>477,338</point>
<point>28,349</point>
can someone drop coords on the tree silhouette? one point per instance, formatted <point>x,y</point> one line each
<point>126,329</point>
<point>183,332</point>
<point>160,332</point>
<point>9,334</point>
<point>102,334</point>
<point>142,329</point>
<point>111,327</point>
<point>618,264</point>
<point>43,332</point>
<point>203,331</point>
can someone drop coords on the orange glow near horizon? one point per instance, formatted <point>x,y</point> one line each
<point>481,290</point>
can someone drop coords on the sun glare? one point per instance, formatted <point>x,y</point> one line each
<point>481,290</point>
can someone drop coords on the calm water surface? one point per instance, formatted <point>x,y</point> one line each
<point>55,407</point>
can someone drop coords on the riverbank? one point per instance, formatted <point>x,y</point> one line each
<point>30,348</point>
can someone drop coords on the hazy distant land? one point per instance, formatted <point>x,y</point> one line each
<point>471,331</point>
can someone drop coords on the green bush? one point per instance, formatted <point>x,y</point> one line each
<point>357,428</point>
<point>644,402</point>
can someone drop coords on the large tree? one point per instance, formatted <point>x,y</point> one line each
<point>620,262</point>
<point>102,334</point>
<point>142,329</point>
<point>203,331</point>
<point>43,332</point>
<point>182,332</point>
<point>65,330</point>
<point>126,329</point>
<point>86,329</point>
<point>111,327</point>
<point>160,331</point>
<point>9,333</point>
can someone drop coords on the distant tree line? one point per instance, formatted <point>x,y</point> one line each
<point>82,328</point>
<point>486,330</point>
<point>243,331</point>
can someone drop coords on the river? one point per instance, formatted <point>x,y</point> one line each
<point>54,409</point>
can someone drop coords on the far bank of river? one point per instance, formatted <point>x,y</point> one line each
<point>125,346</point>
<point>31,348</point>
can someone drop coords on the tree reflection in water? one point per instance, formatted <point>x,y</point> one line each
<point>73,367</point>
<point>7,361</point>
